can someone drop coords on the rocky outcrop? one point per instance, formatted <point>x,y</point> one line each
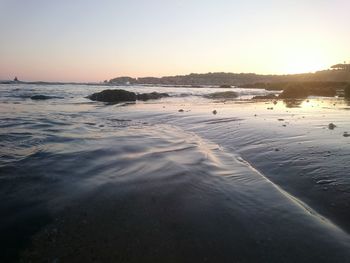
<point>151,96</point>
<point>300,91</point>
<point>119,95</point>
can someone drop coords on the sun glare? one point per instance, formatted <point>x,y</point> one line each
<point>298,65</point>
<point>304,59</point>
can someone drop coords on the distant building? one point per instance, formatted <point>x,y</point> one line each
<point>342,67</point>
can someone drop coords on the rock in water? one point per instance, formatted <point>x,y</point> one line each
<point>43,97</point>
<point>117,95</point>
<point>120,95</point>
<point>265,97</point>
<point>331,126</point>
<point>302,91</point>
<point>222,95</point>
<point>151,96</point>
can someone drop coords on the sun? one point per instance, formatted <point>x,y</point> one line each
<point>303,65</point>
<point>304,61</point>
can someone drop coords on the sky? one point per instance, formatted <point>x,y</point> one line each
<point>94,40</point>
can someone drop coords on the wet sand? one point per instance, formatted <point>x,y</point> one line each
<point>186,202</point>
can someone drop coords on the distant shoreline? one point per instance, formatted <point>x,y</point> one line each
<point>103,84</point>
<point>208,79</point>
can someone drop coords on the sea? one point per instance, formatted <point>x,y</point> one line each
<point>179,179</point>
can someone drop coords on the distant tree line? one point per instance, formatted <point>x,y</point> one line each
<point>234,79</point>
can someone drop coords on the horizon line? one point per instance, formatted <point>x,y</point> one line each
<point>165,76</point>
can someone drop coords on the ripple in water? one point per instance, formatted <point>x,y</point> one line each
<point>95,183</point>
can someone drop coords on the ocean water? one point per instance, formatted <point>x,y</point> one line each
<point>142,182</point>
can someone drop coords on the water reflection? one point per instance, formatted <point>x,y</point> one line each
<point>317,102</point>
<point>347,101</point>
<point>293,103</point>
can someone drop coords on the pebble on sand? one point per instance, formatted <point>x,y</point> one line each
<point>331,126</point>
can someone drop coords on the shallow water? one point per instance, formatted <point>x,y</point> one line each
<point>79,179</point>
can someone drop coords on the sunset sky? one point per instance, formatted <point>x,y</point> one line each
<point>90,40</point>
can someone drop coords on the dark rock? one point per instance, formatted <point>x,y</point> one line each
<point>120,95</point>
<point>331,126</point>
<point>222,95</point>
<point>265,97</point>
<point>151,96</point>
<point>215,112</point>
<point>117,95</point>
<point>44,97</point>
<point>346,134</point>
<point>302,90</point>
<point>294,92</point>
<point>181,110</point>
